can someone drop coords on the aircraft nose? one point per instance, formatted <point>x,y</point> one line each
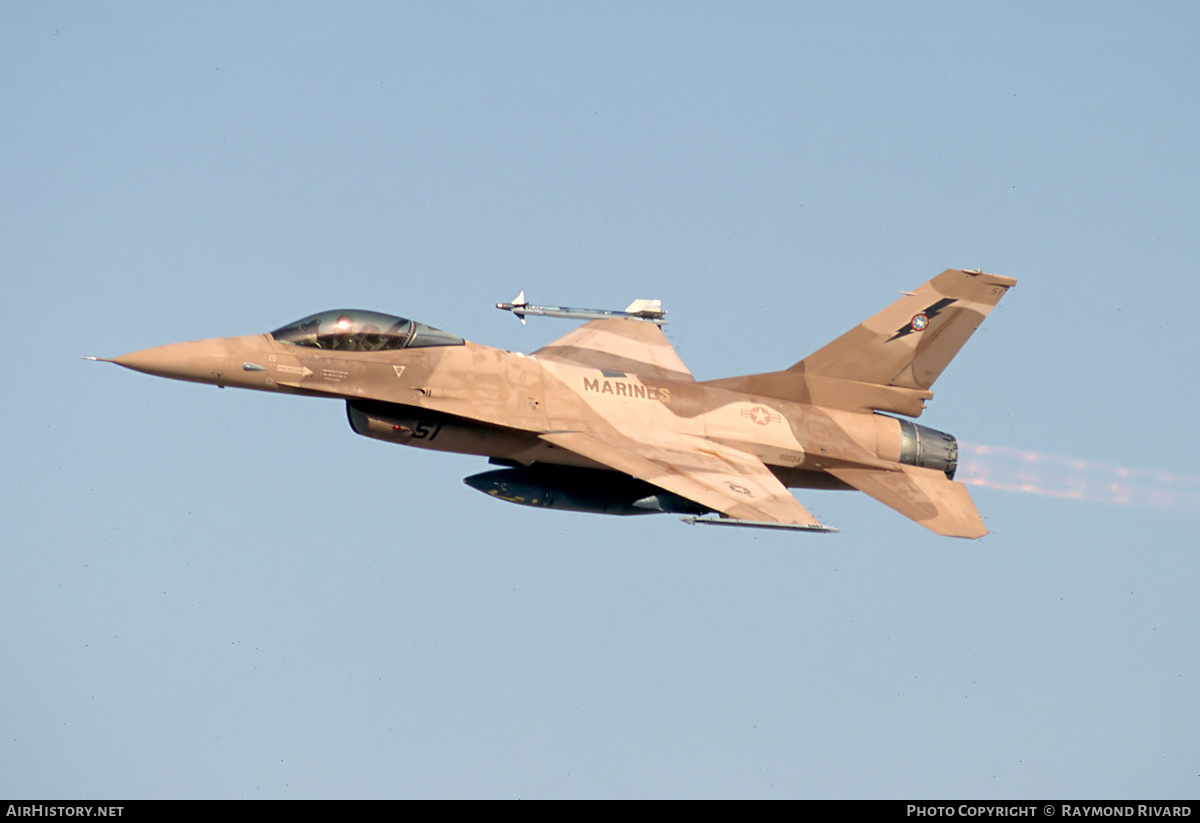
<point>223,361</point>
<point>201,361</point>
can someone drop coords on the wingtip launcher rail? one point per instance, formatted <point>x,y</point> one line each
<point>650,311</point>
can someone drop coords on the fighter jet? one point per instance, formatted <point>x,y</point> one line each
<point>608,419</point>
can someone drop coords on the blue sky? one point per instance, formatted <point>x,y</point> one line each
<point>229,594</point>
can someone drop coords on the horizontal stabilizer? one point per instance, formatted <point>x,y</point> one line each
<point>925,495</point>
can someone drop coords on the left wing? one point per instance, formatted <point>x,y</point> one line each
<point>731,482</point>
<point>629,346</point>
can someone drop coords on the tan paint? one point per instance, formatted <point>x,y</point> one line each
<point>614,394</point>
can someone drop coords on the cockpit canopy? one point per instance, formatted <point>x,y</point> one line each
<point>357,330</point>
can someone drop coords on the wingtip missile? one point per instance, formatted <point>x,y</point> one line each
<point>759,524</point>
<point>642,309</point>
<point>517,307</point>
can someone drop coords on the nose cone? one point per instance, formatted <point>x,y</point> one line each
<point>221,360</point>
<point>199,360</point>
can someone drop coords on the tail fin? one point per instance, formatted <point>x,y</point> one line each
<point>889,361</point>
<point>910,343</point>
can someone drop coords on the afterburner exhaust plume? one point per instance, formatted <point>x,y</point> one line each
<point>1051,475</point>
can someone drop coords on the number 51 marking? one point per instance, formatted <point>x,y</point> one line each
<point>426,431</point>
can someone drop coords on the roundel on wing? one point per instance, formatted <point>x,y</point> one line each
<point>919,322</point>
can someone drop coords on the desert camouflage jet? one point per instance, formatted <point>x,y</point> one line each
<point>608,419</point>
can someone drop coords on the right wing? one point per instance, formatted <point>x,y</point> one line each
<point>731,482</point>
<point>627,346</point>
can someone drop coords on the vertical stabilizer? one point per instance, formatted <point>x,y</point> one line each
<point>910,343</point>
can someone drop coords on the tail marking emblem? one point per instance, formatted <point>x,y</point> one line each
<point>921,319</point>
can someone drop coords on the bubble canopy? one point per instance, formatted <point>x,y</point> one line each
<point>357,330</point>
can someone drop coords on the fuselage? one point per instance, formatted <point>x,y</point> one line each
<point>608,418</point>
<point>462,397</point>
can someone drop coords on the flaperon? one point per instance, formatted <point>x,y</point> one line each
<point>608,419</point>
